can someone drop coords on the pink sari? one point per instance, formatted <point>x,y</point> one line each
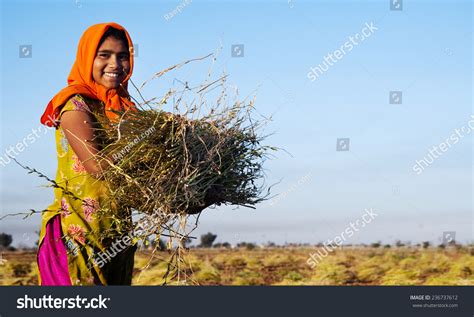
<point>52,256</point>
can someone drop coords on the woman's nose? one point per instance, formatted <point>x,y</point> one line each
<point>114,61</point>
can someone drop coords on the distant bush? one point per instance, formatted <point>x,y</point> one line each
<point>207,240</point>
<point>222,245</point>
<point>376,244</point>
<point>399,244</point>
<point>246,245</point>
<point>5,240</point>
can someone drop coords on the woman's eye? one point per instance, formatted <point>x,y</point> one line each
<point>123,57</point>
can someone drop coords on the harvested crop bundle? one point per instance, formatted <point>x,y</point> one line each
<point>170,164</point>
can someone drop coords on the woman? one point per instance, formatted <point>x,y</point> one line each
<point>81,223</point>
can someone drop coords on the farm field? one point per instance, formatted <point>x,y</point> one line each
<point>286,266</point>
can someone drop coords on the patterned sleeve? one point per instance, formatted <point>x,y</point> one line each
<point>75,103</point>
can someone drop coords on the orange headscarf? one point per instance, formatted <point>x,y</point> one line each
<point>80,79</point>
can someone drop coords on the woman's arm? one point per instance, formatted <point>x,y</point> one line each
<point>79,131</point>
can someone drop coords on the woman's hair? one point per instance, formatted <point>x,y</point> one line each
<point>116,34</point>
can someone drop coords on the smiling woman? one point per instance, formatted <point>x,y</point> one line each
<point>112,61</point>
<point>81,223</point>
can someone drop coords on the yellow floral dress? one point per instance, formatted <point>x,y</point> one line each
<point>88,222</point>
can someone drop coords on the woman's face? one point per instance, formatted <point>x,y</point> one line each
<point>111,63</point>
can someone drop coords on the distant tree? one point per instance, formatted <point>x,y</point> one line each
<point>247,245</point>
<point>5,240</point>
<point>376,244</point>
<point>250,246</point>
<point>399,244</point>
<point>207,240</point>
<point>221,245</point>
<point>387,246</point>
<point>426,244</point>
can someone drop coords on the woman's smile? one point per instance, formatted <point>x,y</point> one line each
<point>112,75</point>
<point>115,77</point>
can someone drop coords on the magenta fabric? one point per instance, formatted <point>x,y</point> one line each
<point>52,256</point>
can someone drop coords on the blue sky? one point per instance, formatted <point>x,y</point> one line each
<point>424,51</point>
